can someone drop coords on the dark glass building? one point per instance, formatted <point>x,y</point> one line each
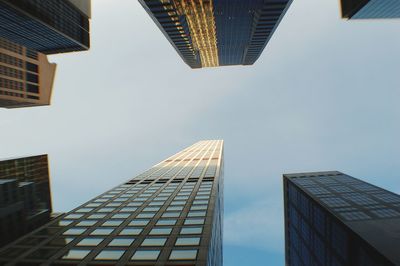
<point>169,215</point>
<point>25,200</point>
<point>47,26</point>
<point>365,9</point>
<point>335,219</point>
<point>210,33</point>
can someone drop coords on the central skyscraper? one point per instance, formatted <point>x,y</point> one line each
<point>169,215</point>
<point>210,33</point>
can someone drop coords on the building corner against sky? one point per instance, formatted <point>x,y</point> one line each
<point>29,30</point>
<point>335,219</point>
<point>370,9</point>
<point>218,32</point>
<point>25,198</point>
<point>172,214</point>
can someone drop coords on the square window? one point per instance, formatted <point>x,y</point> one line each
<point>171,214</point>
<point>114,204</point>
<point>187,241</point>
<point>191,230</point>
<point>112,223</point>
<point>199,207</point>
<point>196,214</point>
<point>139,222</point>
<point>121,242</point>
<point>74,231</point>
<point>146,255</point>
<point>175,208</point>
<point>156,242</point>
<point>161,231</point>
<point>87,223</point>
<point>90,241</point>
<point>156,203</point>
<point>202,202</point>
<point>181,198</point>
<point>166,222</point>
<point>93,205</point>
<point>105,209</point>
<point>97,216</point>
<point>110,255</point>
<point>178,202</point>
<point>120,215</point>
<point>146,215</point>
<point>178,254</point>
<point>131,231</point>
<point>194,221</point>
<point>134,204</point>
<point>102,231</point>
<point>151,209</point>
<point>84,210</point>
<point>73,216</point>
<point>128,209</point>
<point>63,222</point>
<point>100,200</point>
<point>76,254</point>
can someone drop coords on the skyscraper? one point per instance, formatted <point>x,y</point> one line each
<point>334,219</point>
<point>47,26</point>
<point>370,9</point>
<point>25,200</point>
<point>26,76</point>
<point>169,215</point>
<point>210,33</point>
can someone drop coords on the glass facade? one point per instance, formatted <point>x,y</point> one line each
<point>169,215</point>
<point>334,219</point>
<point>47,26</point>
<point>218,32</point>
<point>370,9</point>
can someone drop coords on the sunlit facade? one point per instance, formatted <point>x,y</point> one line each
<point>26,76</point>
<point>25,199</point>
<point>55,26</point>
<point>211,33</point>
<point>370,9</point>
<point>169,215</point>
<point>334,219</point>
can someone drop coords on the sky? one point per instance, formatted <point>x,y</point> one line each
<point>323,96</point>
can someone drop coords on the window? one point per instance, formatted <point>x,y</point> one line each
<point>160,241</point>
<point>166,222</point>
<point>171,215</point>
<point>90,241</point>
<point>178,202</point>
<point>63,222</point>
<point>187,241</point>
<point>121,242</point>
<point>175,208</point>
<point>97,216</point>
<point>146,215</point>
<point>128,209</point>
<point>156,203</point>
<point>198,207</point>
<point>191,230</point>
<point>87,223</point>
<point>110,255</point>
<point>177,254</point>
<point>120,215</point>
<point>146,255</point>
<point>93,205</point>
<point>76,254</point>
<point>114,204</point>
<point>202,202</point>
<point>105,209</point>
<point>134,204</point>
<point>84,210</point>
<point>74,231</point>
<point>131,231</point>
<point>139,222</point>
<point>102,231</point>
<point>196,214</point>
<point>161,231</point>
<point>73,216</point>
<point>194,221</point>
<point>112,223</point>
<point>151,209</point>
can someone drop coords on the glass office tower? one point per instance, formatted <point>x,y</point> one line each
<point>25,200</point>
<point>47,26</point>
<point>334,219</point>
<point>169,215</point>
<point>210,33</point>
<point>365,9</point>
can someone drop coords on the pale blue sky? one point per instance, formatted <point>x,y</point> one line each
<point>323,96</point>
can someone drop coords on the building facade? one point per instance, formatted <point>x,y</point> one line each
<point>169,215</point>
<point>25,199</point>
<point>47,26</point>
<point>334,219</point>
<point>26,76</point>
<point>370,9</point>
<point>210,33</point>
